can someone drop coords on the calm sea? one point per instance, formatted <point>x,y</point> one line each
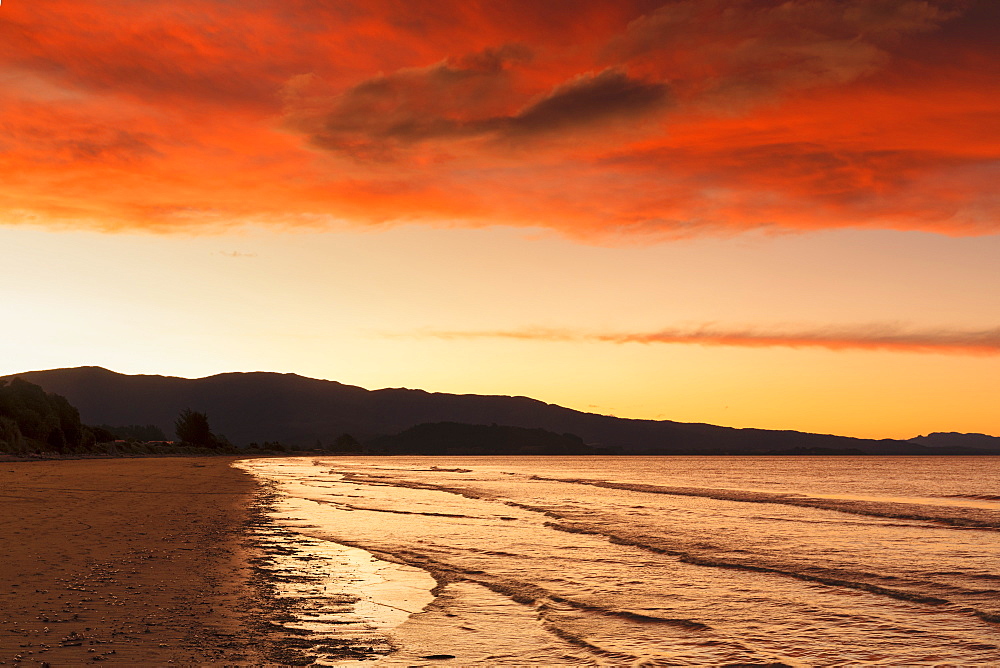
<point>641,560</point>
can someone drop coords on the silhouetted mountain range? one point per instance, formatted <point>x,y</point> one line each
<point>291,409</point>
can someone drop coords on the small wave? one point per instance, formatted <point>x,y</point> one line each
<point>831,578</point>
<point>654,619</point>
<point>956,518</point>
<point>493,553</point>
<point>578,640</point>
<point>389,481</point>
<point>844,522</point>
<point>624,614</point>
<point>349,506</point>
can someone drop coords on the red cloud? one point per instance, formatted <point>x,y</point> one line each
<point>981,342</point>
<point>597,119</point>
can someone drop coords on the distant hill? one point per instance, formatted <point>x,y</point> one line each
<point>295,410</point>
<point>955,440</point>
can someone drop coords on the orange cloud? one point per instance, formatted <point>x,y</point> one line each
<point>893,339</point>
<point>600,120</point>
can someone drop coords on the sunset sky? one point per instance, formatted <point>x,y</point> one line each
<point>756,213</point>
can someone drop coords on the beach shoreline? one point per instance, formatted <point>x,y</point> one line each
<point>138,561</point>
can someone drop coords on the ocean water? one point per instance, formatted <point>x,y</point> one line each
<point>802,561</point>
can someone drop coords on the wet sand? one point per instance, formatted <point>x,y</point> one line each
<point>133,561</point>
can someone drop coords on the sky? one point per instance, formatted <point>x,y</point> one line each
<point>750,213</point>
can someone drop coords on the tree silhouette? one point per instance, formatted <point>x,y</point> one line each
<point>346,443</point>
<point>36,419</point>
<point>192,427</point>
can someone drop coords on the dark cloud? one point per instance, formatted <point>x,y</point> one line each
<point>471,96</point>
<point>589,100</point>
<point>379,115</point>
<point>745,50</point>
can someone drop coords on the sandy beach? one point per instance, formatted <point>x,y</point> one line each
<point>136,561</point>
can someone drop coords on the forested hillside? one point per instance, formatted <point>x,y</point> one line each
<point>33,419</point>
